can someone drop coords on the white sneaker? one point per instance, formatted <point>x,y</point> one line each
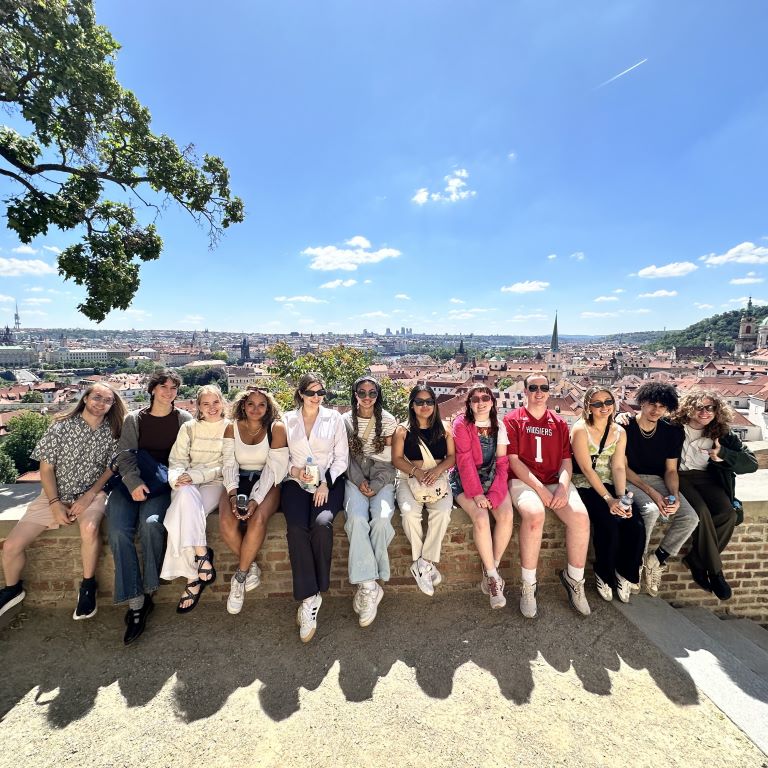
<point>236,596</point>
<point>253,579</point>
<point>576,596</point>
<point>604,590</point>
<point>421,570</point>
<point>654,570</point>
<point>623,588</point>
<point>368,601</point>
<point>306,617</point>
<point>528,600</point>
<point>496,592</point>
<point>436,576</point>
<point>484,582</point>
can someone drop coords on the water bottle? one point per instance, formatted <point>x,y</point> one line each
<point>242,503</point>
<point>626,501</point>
<point>669,501</point>
<point>311,470</point>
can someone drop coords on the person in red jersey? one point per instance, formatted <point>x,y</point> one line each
<point>540,468</point>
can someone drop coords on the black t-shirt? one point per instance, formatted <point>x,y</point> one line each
<point>648,455</point>
<point>157,434</point>
<point>438,448</point>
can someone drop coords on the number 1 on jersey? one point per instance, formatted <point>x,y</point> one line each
<point>539,457</point>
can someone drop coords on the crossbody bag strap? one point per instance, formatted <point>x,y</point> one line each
<point>602,444</point>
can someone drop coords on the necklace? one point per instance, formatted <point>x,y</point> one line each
<point>251,432</point>
<point>648,434</point>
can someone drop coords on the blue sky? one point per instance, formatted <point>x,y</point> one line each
<point>446,166</point>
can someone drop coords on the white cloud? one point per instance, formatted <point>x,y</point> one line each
<point>675,269</point>
<point>339,283</point>
<point>18,267</point>
<point>6,298</point>
<point>699,305</point>
<point>36,289</point>
<point>455,189</point>
<point>34,313</point>
<point>742,301</point>
<point>750,278</point>
<point>367,282</point>
<point>599,314</point>
<point>457,301</point>
<point>138,313</point>
<point>606,298</point>
<point>512,156</point>
<point>464,314</point>
<point>620,290</point>
<point>744,253</point>
<point>378,313</point>
<point>330,257</point>
<point>26,250</point>
<point>402,296</point>
<point>578,256</point>
<point>552,256</point>
<point>660,294</point>
<point>52,249</point>
<point>522,318</point>
<point>192,319</point>
<point>300,299</point>
<point>528,286</point>
<point>37,302</point>
<point>636,311</point>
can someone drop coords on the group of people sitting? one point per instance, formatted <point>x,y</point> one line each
<point>159,472</point>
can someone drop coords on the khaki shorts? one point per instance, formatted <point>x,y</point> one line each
<point>522,492</point>
<point>39,513</point>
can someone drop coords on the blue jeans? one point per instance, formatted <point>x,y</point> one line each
<point>124,518</point>
<point>369,529</point>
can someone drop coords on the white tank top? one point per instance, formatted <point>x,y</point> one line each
<point>250,457</point>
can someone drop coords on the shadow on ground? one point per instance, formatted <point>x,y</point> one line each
<point>213,654</point>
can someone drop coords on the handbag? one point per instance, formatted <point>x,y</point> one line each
<point>153,474</point>
<point>428,494</point>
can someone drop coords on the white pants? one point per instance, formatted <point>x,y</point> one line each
<point>439,515</point>
<point>185,523</point>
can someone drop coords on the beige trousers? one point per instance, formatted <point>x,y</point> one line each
<point>439,515</point>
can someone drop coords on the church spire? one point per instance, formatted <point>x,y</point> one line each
<point>555,345</point>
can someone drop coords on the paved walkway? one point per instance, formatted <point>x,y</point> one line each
<point>440,682</point>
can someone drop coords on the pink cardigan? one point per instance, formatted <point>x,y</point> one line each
<point>469,457</point>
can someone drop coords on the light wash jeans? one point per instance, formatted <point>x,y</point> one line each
<point>369,529</point>
<point>681,525</point>
<point>124,518</point>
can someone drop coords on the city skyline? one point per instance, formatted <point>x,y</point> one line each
<point>443,168</point>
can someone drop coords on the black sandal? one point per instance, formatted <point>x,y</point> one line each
<point>203,569</point>
<point>190,595</point>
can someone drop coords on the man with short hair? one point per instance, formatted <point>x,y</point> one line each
<point>653,452</point>
<point>74,456</point>
<point>541,466</point>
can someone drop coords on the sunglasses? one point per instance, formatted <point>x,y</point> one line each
<point>538,387</point>
<point>367,393</point>
<point>314,393</point>
<point>602,403</point>
<point>420,401</point>
<point>480,399</point>
<point>707,408</point>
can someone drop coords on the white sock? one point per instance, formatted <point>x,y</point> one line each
<point>371,585</point>
<point>496,564</point>
<point>577,574</point>
<point>529,575</point>
<point>492,574</point>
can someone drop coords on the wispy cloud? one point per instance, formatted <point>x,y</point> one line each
<point>192,320</point>
<point>330,257</point>
<point>750,278</point>
<point>675,269</point>
<point>599,299</point>
<point>523,318</point>
<point>742,301</point>
<point>300,300</point>
<point>699,305</point>
<point>25,250</point>
<point>402,296</point>
<point>578,256</point>
<point>18,267</point>
<point>52,249</point>
<point>339,283</point>
<point>619,290</point>
<point>37,302</point>
<point>512,156</point>
<point>621,74</point>
<point>7,299</point>
<point>744,253</point>
<point>660,294</point>
<point>377,313</point>
<point>139,314</point>
<point>455,189</point>
<point>598,314</point>
<point>552,256</point>
<point>527,286</point>
<point>457,301</point>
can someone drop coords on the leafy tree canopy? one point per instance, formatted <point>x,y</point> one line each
<point>8,473</point>
<point>32,397</point>
<point>24,431</point>
<point>90,135</point>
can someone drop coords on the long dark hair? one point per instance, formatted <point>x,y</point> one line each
<point>435,426</point>
<point>114,416</point>
<point>379,441</point>
<point>304,382</point>
<point>470,417</point>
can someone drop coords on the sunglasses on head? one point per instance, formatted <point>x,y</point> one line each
<point>480,399</point>
<point>423,401</point>
<point>602,403</point>
<point>363,393</point>
<point>313,393</point>
<point>707,408</point>
<point>538,387</point>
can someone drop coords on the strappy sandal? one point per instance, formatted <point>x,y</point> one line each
<point>188,594</point>
<point>205,567</point>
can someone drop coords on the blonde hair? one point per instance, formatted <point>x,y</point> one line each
<point>209,389</point>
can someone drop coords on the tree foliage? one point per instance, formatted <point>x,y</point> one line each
<point>32,397</point>
<point>89,135</point>
<point>8,473</point>
<point>24,431</point>
<point>204,374</point>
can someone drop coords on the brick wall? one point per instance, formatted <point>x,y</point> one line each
<point>53,567</point>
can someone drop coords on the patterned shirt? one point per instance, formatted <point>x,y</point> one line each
<point>79,454</point>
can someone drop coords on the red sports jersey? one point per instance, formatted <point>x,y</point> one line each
<point>541,444</point>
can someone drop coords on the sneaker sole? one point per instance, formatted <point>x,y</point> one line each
<point>90,615</point>
<point>499,605</point>
<point>13,601</point>
<point>570,595</point>
<point>368,622</point>
<point>233,612</point>
<point>251,587</point>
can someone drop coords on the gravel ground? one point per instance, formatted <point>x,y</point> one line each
<point>440,682</point>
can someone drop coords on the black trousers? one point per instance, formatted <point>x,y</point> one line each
<point>717,518</point>
<point>618,542</point>
<point>310,535</point>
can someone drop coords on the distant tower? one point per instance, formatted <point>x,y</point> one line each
<point>708,343</point>
<point>16,318</point>
<point>194,339</point>
<point>245,350</point>
<point>461,353</point>
<point>554,361</point>
<point>747,340</point>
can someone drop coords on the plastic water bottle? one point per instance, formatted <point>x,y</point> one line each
<point>626,501</point>
<point>669,500</point>
<point>310,469</point>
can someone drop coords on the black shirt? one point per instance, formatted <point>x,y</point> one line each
<point>412,452</point>
<point>648,455</point>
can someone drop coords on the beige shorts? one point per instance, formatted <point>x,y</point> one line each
<point>39,512</point>
<point>522,492</point>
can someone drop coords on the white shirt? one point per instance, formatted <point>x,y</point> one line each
<point>327,442</point>
<point>695,454</point>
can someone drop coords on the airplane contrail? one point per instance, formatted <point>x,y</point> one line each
<point>621,74</point>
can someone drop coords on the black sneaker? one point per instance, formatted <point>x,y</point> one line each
<point>10,596</point>
<point>720,586</point>
<point>699,575</point>
<point>86,601</point>
<point>136,621</point>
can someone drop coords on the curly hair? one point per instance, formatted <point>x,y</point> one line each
<point>379,441</point>
<point>493,416</point>
<point>271,415</point>
<point>435,426</point>
<point>657,392</point>
<point>724,414</point>
<point>588,395</point>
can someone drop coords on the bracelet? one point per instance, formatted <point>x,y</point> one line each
<point>232,495</point>
<point>412,472</point>
<point>53,501</point>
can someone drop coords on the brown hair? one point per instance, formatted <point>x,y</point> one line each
<point>114,416</point>
<point>724,414</point>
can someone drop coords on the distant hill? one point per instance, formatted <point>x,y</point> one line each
<point>723,328</point>
<point>636,337</point>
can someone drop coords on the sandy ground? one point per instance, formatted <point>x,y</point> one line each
<point>440,682</point>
